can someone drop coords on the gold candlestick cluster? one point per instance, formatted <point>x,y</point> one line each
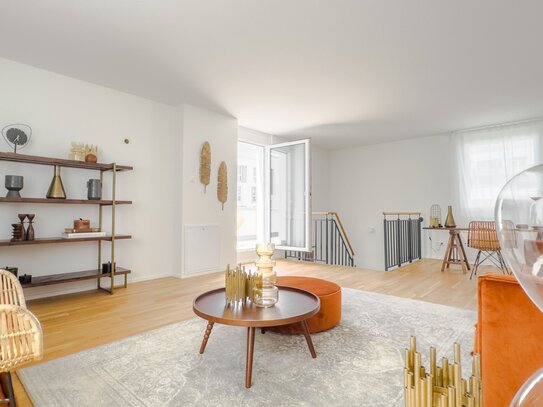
<point>440,386</point>
<point>240,285</point>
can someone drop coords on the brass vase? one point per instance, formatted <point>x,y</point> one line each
<point>449,222</point>
<point>56,189</point>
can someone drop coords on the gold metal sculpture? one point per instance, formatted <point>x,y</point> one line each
<point>240,285</point>
<point>222,184</point>
<point>440,386</point>
<point>205,165</point>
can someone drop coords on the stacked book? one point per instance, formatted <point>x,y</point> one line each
<point>82,233</point>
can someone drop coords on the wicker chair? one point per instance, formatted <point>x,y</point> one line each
<point>21,337</point>
<point>482,236</point>
<point>11,292</point>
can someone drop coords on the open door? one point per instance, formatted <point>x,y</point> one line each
<point>288,195</point>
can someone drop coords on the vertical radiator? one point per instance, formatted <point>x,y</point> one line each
<point>402,231</point>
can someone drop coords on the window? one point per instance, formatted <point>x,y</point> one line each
<point>274,203</point>
<point>250,212</point>
<point>488,158</point>
<point>242,173</point>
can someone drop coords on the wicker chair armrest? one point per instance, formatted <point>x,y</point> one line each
<point>21,337</point>
<point>11,291</point>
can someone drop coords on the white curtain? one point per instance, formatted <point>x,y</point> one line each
<point>487,158</point>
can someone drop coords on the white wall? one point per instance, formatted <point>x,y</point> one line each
<point>320,179</point>
<point>204,208</point>
<point>408,175</point>
<point>61,110</point>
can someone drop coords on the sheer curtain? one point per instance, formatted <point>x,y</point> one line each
<point>487,158</point>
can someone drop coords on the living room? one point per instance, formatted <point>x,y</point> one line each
<point>271,203</point>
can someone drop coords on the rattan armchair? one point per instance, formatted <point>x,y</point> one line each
<point>11,292</point>
<point>482,236</point>
<point>21,337</point>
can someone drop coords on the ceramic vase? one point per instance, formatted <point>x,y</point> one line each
<point>14,183</point>
<point>94,189</point>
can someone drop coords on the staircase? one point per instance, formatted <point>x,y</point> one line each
<point>329,242</point>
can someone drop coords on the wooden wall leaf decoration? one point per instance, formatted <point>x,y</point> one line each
<point>205,165</point>
<point>222,184</point>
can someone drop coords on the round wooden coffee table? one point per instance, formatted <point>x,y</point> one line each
<point>294,306</point>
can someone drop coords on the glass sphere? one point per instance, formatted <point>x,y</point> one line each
<point>519,224</point>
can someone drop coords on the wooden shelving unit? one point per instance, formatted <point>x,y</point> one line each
<point>69,277</point>
<point>34,159</point>
<point>63,201</point>
<point>76,275</point>
<point>50,240</point>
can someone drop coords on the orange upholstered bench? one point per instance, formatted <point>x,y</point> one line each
<point>329,293</point>
<point>508,337</point>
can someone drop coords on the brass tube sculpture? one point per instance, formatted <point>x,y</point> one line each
<point>440,386</point>
<point>240,285</point>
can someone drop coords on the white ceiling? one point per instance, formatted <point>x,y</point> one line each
<point>344,72</point>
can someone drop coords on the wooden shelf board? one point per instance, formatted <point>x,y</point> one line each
<point>75,276</point>
<point>48,240</point>
<point>34,159</point>
<point>64,201</point>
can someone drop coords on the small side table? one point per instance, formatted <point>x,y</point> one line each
<point>294,306</point>
<point>455,252</point>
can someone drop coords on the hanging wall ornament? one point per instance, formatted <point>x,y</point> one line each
<point>222,184</point>
<point>205,165</point>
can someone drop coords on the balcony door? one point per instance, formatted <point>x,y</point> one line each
<point>288,195</point>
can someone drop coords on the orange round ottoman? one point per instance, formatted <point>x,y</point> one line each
<point>329,314</point>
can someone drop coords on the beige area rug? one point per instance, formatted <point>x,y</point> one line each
<point>359,363</point>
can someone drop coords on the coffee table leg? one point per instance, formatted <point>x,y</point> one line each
<point>250,350</point>
<point>206,336</point>
<point>308,339</point>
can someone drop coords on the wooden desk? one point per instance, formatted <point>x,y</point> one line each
<point>455,252</point>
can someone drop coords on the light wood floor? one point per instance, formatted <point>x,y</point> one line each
<point>75,322</point>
